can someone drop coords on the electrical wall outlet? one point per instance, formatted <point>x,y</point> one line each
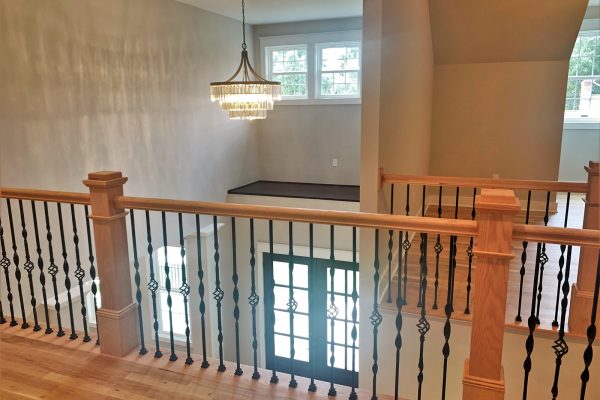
<point>495,176</point>
<point>334,162</point>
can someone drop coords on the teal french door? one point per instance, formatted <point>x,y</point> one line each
<point>312,332</point>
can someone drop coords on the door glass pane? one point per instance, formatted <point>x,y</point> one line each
<point>301,346</point>
<point>281,273</point>
<point>340,356</point>
<point>349,355</point>
<point>301,275</point>
<point>301,325</point>
<point>339,281</point>
<point>339,332</point>
<point>282,322</point>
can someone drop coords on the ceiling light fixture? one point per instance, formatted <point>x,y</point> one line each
<point>246,95</point>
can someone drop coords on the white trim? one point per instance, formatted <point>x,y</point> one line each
<point>582,123</point>
<point>310,42</point>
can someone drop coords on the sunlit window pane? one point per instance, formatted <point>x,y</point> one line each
<point>583,86</point>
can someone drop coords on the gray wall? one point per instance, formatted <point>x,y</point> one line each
<point>579,146</point>
<point>298,143</point>
<point>120,85</point>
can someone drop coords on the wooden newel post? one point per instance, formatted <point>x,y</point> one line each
<point>583,291</point>
<point>117,319</point>
<point>483,374</point>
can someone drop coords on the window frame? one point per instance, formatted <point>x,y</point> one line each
<point>311,41</point>
<point>579,122</point>
<point>319,71</point>
<point>269,62</point>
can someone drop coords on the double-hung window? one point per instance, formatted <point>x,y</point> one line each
<point>315,68</point>
<point>583,88</point>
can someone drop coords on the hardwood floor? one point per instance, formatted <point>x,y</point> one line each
<point>38,366</point>
<point>549,283</point>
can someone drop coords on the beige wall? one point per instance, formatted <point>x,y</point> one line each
<point>123,85</point>
<point>498,118</point>
<point>500,84</point>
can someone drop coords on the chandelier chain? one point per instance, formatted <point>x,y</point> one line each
<point>244,46</point>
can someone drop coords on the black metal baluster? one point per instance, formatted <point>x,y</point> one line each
<point>560,346</point>
<point>332,311</point>
<point>376,317</point>
<point>448,311</point>
<point>73,335</point>
<point>79,274</point>
<point>453,258</point>
<point>2,319</point>
<point>173,356</point>
<point>523,261</point>
<point>406,247</point>
<point>531,323</point>
<point>24,324</point>
<point>53,270</point>
<point>137,279</point>
<point>399,321</point>
<point>29,266</point>
<point>470,255</point>
<point>274,377</point>
<point>561,263</point>
<point>202,306</point>
<point>253,300</point>
<point>153,286</point>
<point>40,263</point>
<point>236,297</point>
<point>354,332</point>
<point>588,354</point>
<point>92,268</point>
<point>218,295</point>
<point>312,387</point>
<point>543,261</point>
<point>5,263</point>
<point>438,248</point>
<point>423,325</point>
<point>292,305</point>
<point>184,289</point>
<point>390,249</point>
<point>419,303</point>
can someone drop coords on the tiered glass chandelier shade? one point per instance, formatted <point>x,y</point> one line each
<point>246,95</point>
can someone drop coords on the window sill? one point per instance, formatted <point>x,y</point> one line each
<point>315,102</point>
<point>582,124</point>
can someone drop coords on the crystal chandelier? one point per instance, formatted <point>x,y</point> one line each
<point>246,95</point>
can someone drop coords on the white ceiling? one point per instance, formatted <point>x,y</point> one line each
<point>274,11</point>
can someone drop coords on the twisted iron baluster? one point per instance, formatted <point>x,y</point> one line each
<point>5,263</point>
<point>153,286</point>
<point>73,335</point>
<point>438,249</point>
<point>470,255</point>
<point>253,300</point>
<point>29,266</point>
<point>173,356</point>
<point>406,247</point>
<point>423,325</point>
<point>560,346</point>
<point>184,289</point>
<point>24,324</point>
<point>274,377</point>
<point>2,319</point>
<point>332,311</point>
<point>53,270</point>
<point>312,387</point>
<point>202,306</point>
<point>390,249</point>
<point>218,295</point>
<point>376,317</point>
<point>561,263</point>
<point>138,292</point>
<point>543,261</point>
<point>448,312</point>
<point>398,341</point>
<point>40,264</point>
<point>588,354</point>
<point>453,258</point>
<point>523,260</point>
<point>92,268</point>
<point>79,274</point>
<point>354,332</point>
<point>236,298</point>
<point>531,323</point>
<point>419,302</point>
<point>292,306</point>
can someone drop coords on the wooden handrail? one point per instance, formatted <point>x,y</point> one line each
<point>485,183</point>
<point>325,217</point>
<point>555,235</point>
<point>45,195</point>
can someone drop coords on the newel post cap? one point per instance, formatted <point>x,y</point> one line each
<point>105,179</point>
<point>593,168</point>
<point>502,200</point>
